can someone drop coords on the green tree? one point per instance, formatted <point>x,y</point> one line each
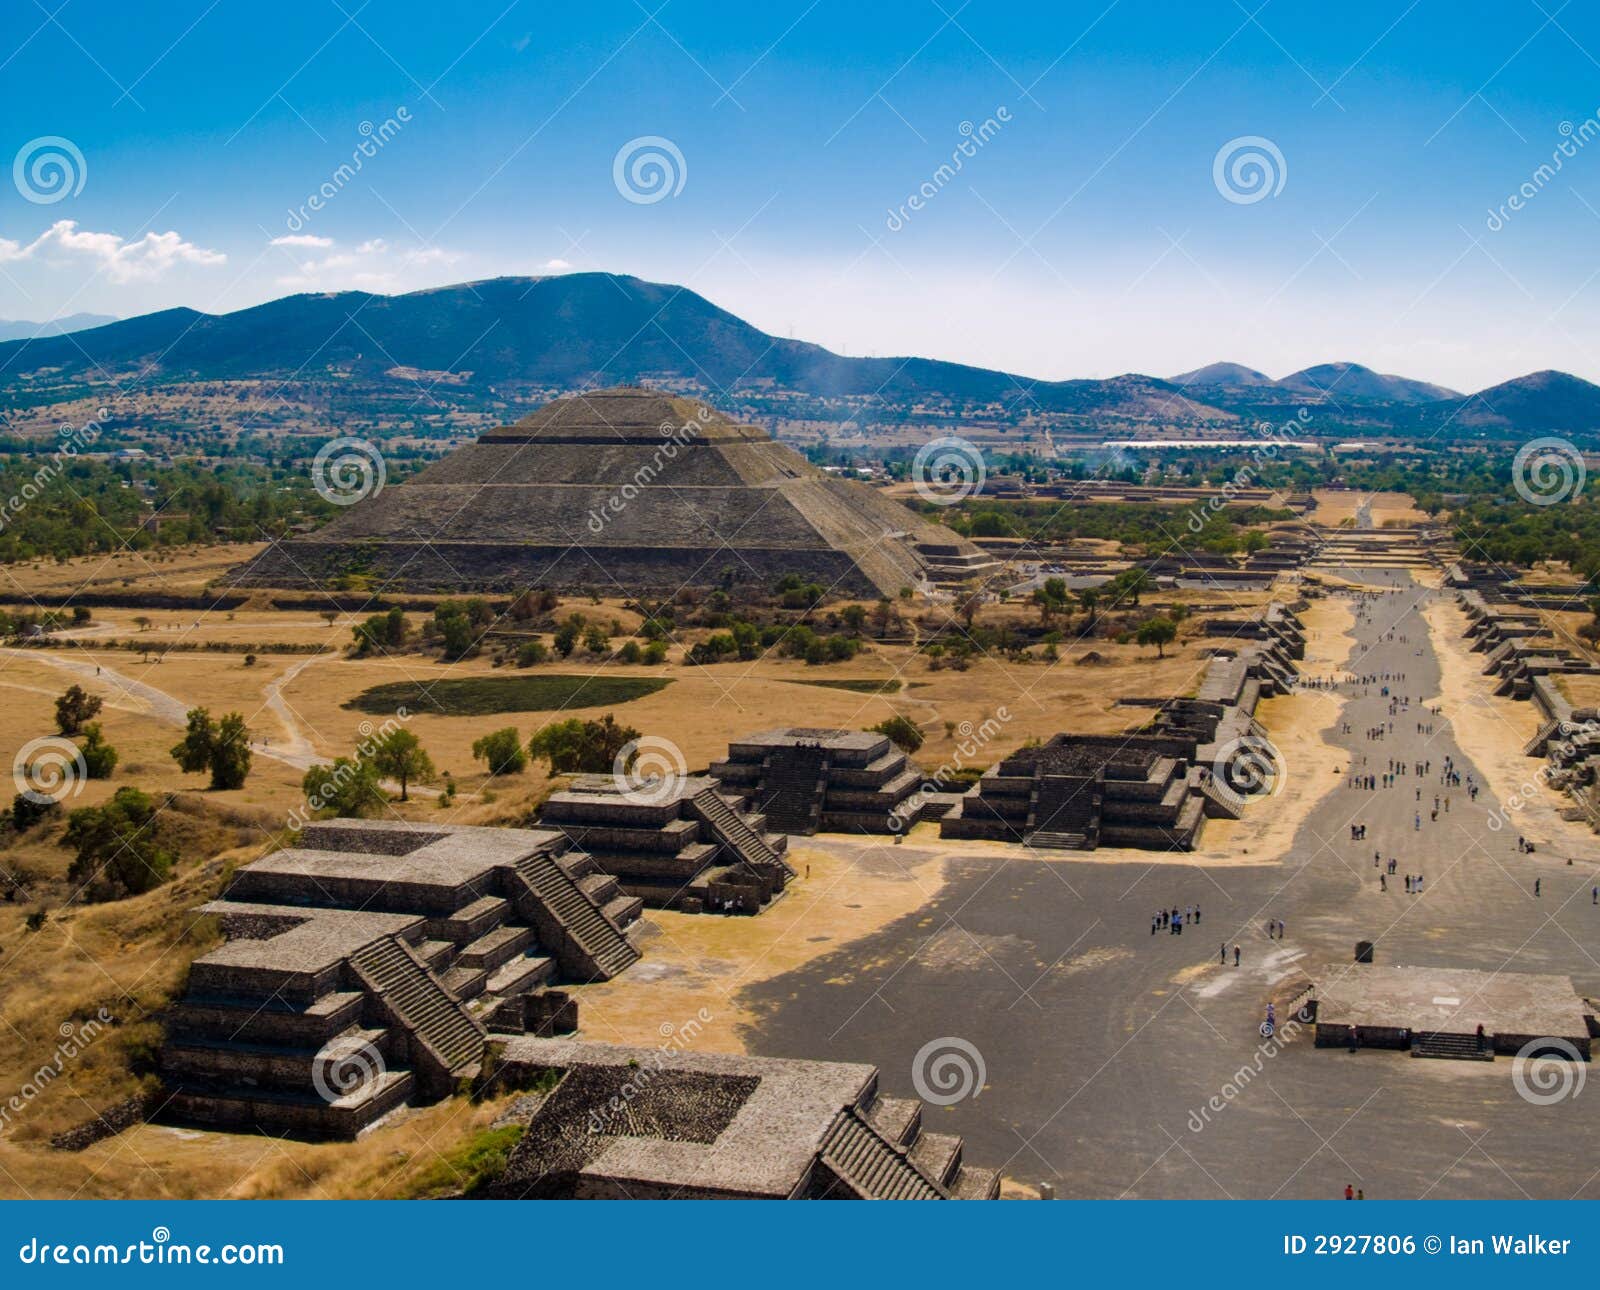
<point>348,788</point>
<point>1089,599</point>
<point>1159,632</point>
<point>222,747</point>
<point>399,755</point>
<point>501,752</point>
<point>27,811</point>
<point>1132,583</point>
<point>99,757</point>
<point>117,852</point>
<point>577,746</point>
<point>1052,598</point>
<point>75,709</point>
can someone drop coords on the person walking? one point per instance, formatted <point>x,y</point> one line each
<point>1235,956</point>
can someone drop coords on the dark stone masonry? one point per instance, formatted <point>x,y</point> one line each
<point>365,969</point>
<point>662,1124</point>
<point>623,492</point>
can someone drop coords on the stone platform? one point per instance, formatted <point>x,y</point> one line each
<point>1397,1007</point>
<point>670,1123</point>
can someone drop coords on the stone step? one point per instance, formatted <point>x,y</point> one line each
<point>1451,1046</point>
<point>520,975</point>
<point>898,1118</point>
<point>938,1155</point>
<point>493,948</point>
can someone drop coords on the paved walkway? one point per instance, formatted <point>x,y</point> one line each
<point>1104,1046</point>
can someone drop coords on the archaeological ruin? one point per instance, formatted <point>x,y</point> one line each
<point>623,491</point>
<point>365,968</point>
<point>627,1123</point>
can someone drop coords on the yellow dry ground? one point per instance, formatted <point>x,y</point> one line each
<point>1336,505</point>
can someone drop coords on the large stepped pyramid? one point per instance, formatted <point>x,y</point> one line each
<point>623,491</point>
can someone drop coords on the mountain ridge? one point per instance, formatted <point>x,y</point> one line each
<point>587,330</point>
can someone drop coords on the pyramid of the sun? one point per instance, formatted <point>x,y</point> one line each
<point>622,492</point>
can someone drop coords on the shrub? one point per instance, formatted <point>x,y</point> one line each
<point>501,752</point>
<point>27,811</point>
<point>530,653</point>
<point>99,757</point>
<point>117,851</point>
<point>902,731</point>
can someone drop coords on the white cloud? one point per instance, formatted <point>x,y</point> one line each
<point>555,266</point>
<point>145,260</point>
<point>301,239</point>
<point>373,265</point>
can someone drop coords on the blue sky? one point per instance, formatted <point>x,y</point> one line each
<point>1086,236</point>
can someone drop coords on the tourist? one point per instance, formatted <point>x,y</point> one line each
<point>1235,956</point>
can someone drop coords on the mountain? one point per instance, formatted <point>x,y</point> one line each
<point>591,330</point>
<point>1225,374</point>
<point>572,330</point>
<point>1540,401</point>
<point>1352,381</point>
<point>17,330</point>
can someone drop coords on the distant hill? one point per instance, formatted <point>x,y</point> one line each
<point>574,330</point>
<point>17,330</point>
<point>1335,381</point>
<point>1352,381</point>
<point>591,330</point>
<point>1224,374</point>
<point>1541,401</point>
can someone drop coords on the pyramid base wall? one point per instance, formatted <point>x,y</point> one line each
<point>448,568</point>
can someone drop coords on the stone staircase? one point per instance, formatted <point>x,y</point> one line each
<point>730,828</point>
<point>792,787</point>
<point>880,1151</point>
<point>869,1166</point>
<point>1462,1048</point>
<point>1065,813</point>
<point>576,916</point>
<point>1058,841</point>
<point>435,1019</point>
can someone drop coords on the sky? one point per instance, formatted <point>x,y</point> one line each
<point>1061,190</point>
